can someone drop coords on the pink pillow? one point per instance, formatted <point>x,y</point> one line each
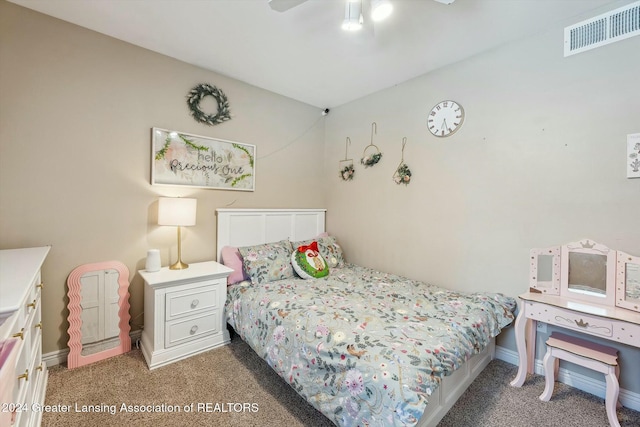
<point>231,258</point>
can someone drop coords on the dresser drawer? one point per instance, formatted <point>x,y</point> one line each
<point>36,370</point>
<point>14,325</point>
<point>35,326</point>
<point>192,328</point>
<point>34,289</point>
<point>21,375</point>
<point>191,301</point>
<point>594,325</point>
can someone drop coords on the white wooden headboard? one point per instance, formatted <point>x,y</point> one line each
<point>246,227</point>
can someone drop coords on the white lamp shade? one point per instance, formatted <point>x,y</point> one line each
<point>177,211</point>
<point>352,16</point>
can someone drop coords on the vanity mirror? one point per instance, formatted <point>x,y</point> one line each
<point>544,270</point>
<point>587,272</point>
<point>628,282</point>
<point>98,312</point>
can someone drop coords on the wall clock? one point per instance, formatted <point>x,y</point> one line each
<point>445,118</point>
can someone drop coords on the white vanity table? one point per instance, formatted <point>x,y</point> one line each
<point>611,323</point>
<point>584,287</point>
<point>184,312</point>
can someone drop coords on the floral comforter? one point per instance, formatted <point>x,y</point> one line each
<point>365,347</point>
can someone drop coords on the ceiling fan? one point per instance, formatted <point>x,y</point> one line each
<point>284,5</point>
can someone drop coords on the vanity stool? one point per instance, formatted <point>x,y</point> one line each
<point>585,353</point>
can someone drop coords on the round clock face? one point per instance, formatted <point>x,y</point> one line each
<point>445,118</point>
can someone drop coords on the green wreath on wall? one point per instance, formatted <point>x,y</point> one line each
<point>196,95</point>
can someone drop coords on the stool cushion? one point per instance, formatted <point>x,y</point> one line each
<point>584,348</point>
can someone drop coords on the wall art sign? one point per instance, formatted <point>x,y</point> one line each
<point>179,158</point>
<point>633,155</point>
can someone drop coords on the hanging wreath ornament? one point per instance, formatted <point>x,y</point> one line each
<point>402,175</point>
<point>196,95</point>
<point>346,166</point>
<point>371,159</point>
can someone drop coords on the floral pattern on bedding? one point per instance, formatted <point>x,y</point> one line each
<point>365,347</point>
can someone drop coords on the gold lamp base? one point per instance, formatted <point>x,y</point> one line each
<point>179,265</point>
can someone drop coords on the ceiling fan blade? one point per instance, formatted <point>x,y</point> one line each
<point>284,5</point>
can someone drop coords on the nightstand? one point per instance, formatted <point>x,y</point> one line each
<point>183,312</point>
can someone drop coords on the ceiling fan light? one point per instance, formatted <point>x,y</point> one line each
<point>353,19</point>
<point>351,25</point>
<point>380,9</point>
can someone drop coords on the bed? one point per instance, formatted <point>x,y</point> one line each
<point>363,347</point>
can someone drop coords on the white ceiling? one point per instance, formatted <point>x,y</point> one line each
<point>303,53</point>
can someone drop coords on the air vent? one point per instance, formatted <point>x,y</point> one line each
<point>609,27</point>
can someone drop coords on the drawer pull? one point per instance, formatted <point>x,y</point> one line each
<point>195,303</point>
<point>40,286</point>
<point>24,376</point>
<point>39,367</point>
<point>19,334</point>
<point>582,323</point>
<point>194,329</point>
<point>32,305</point>
<point>38,325</point>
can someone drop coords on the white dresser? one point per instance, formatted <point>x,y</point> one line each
<point>20,320</point>
<point>183,312</point>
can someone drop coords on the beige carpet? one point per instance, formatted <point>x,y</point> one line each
<point>232,374</point>
<point>248,393</point>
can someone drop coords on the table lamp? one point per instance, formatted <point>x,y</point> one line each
<point>179,212</point>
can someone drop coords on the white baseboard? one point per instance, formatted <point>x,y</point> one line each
<point>627,398</point>
<point>59,357</point>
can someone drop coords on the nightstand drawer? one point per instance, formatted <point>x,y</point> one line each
<point>192,328</point>
<point>191,301</point>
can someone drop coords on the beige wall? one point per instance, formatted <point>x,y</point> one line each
<point>76,109</point>
<point>539,161</point>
